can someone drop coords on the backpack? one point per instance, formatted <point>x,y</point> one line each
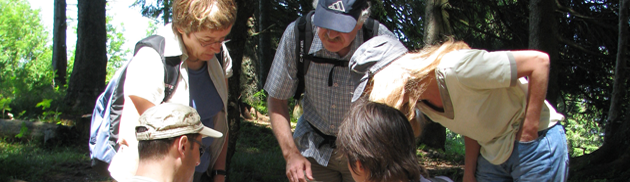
<point>108,108</point>
<point>305,37</point>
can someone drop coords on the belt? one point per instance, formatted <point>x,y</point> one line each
<point>328,139</point>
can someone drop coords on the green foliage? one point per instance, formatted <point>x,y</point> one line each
<point>4,105</point>
<point>45,104</point>
<point>152,29</point>
<point>155,9</point>
<point>583,136</point>
<point>23,131</point>
<point>455,149</point>
<point>403,18</point>
<point>115,52</point>
<point>454,144</point>
<point>259,101</point>
<point>48,115</point>
<point>25,56</point>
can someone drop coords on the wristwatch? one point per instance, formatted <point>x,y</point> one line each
<point>214,173</point>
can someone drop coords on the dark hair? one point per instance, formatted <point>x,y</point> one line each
<point>381,138</point>
<point>157,149</point>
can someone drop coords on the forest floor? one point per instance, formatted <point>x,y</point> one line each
<point>257,158</point>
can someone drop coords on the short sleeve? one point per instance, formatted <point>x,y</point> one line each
<point>145,76</point>
<point>482,69</point>
<point>282,80</point>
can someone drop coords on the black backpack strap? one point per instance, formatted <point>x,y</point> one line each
<point>171,75</point>
<point>370,29</point>
<point>171,64</point>
<point>304,37</point>
<point>219,56</point>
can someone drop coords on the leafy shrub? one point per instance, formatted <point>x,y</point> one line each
<point>27,76</point>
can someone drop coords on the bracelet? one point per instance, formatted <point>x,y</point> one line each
<point>214,173</point>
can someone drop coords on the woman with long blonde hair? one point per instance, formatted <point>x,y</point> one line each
<point>511,132</point>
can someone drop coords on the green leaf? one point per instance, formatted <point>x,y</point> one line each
<point>45,104</point>
<point>23,131</point>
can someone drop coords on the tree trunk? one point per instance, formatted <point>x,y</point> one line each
<point>619,85</point>
<point>265,52</point>
<point>542,36</point>
<point>612,160</point>
<point>60,58</point>
<point>434,27</point>
<point>239,38</point>
<point>88,76</point>
<point>435,23</point>
<point>166,14</point>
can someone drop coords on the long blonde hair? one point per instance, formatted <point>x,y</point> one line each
<point>401,84</point>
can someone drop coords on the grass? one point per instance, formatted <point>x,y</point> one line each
<point>29,161</point>
<point>258,156</point>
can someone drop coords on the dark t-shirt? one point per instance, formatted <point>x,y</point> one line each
<point>206,100</point>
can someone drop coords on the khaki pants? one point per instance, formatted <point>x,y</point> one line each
<point>336,171</point>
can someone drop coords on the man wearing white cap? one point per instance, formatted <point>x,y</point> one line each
<point>169,144</point>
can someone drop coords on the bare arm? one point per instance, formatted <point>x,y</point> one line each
<point>534,65</point>
<point>470,161</point>
<point>141,104</point>
<point>296,163</point>
<point>220,164</point>
<point>125,128</point>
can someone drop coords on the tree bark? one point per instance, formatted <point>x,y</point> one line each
<point>433,30</point>
<point>60,58</point>
<point>265,52</point>
<point>239,38</point>
<point>435,23</point>
<point>88,75</point>
<point>619,84</point>
<point>542,36</point>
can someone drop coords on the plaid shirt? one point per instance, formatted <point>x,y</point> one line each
<point>324,106</point>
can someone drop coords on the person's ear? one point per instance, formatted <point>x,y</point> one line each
<point>181,32</point>
<point>359,167</point>
<point>183,145</point>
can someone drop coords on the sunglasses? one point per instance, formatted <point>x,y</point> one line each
<point>202,148</point>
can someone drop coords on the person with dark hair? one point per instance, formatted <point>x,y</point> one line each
<point>337,30</point>
<point>380,145</point>
<point>511,133</point>
<point>170,143</point>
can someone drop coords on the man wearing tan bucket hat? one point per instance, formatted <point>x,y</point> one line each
<point>169,144</point>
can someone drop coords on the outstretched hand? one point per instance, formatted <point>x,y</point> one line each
<point>298,168</point>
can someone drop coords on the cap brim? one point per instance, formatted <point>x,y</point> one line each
<point>336,21</point>
<point>358,90</point>
<point>209,132</point>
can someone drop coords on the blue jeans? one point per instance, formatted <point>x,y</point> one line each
<point>543,159</point>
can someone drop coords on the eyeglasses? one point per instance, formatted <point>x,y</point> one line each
<point>204,43</point>
<point>202,148</point>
